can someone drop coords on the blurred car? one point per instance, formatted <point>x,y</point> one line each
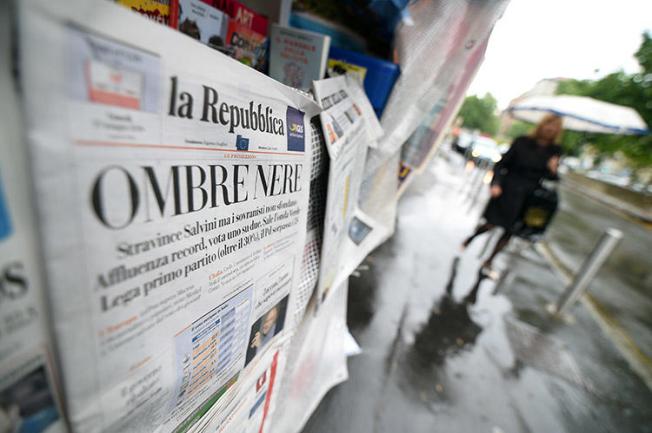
<point>572,162</point>
<point>618,179</point>
<point>484,152</point>
<point>462,141</point>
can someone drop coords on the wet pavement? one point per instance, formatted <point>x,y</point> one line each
<point>447,349</point>
<point>624,285</point>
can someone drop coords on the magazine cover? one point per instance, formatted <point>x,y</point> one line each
<point>242,14</point>
<point>297,57</point>
<point>248,46</point>
<point>156,10</point>
<point>203,22</point>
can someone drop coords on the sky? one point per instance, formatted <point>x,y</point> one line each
<point>583,39</point>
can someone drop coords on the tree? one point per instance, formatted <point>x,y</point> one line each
<point>480,113</point>
<point>634,91</point>
<point>517,129</point>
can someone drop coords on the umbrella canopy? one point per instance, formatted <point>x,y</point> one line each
<point>581,113</point>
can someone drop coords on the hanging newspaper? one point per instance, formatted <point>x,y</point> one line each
<point>316,361</point>
<point>172,186</point>
<point>424,142</point>
<point>28,396</point>
<point>432,52</point>
<point>348,135</point>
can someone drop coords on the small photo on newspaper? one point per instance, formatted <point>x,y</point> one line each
<point>266,328</point>
<point>107,72</point>
<point>27,403</point>
<point>358,230</point>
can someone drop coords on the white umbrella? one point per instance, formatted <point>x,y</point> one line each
<point>581,113</point>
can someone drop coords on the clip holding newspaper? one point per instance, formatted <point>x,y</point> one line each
<point>172,186</point>
<point>348,133</point>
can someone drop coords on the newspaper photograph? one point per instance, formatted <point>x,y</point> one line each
<point>172,185</point>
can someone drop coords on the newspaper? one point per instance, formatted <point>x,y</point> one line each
<point>424,142</point>
<point>172,186</point>
<point>377,198</point>
<point>372,124</point>
<point>348,137</point>
<point>252,409</point>
<point>29,400</point>
<point>316,361</point>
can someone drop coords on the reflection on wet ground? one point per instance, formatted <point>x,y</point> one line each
<point>449,328</point>
<point>449,331</point>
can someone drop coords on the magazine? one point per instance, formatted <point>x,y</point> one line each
<point>297,57</point>
<point>203,22</point>
<point>156,10</point>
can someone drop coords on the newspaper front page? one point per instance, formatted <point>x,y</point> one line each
<point>172,186</point>
<point>29,401</point>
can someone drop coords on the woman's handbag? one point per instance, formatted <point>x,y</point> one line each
<point>539,209</point>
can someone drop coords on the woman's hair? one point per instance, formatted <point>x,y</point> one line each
<point>548,118</point>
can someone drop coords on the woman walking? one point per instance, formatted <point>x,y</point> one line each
<point>529,160</point>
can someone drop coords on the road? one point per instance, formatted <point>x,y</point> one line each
<point>624,285</point>
<point>446,349</point>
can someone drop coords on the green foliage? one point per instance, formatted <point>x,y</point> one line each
<point>644,53</point>
<point>480,113</point>
<point>572,142</point>
<point>624,89</point>
<point>517,129</point>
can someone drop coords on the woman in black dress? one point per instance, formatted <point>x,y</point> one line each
<point>529,160</point>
